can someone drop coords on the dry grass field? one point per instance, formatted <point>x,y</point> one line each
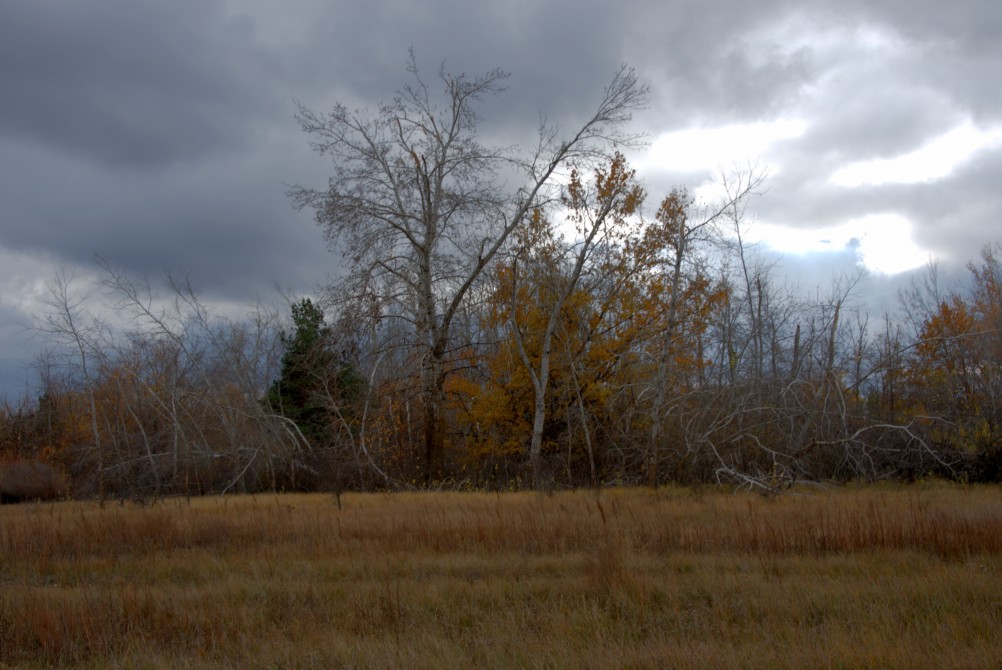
<point>876,577</point>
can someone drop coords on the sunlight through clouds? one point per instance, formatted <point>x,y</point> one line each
<point>935,160</point>
<point>696,149</point>
<point>883,242</point>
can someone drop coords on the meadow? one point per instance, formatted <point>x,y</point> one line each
<point>858,577</point>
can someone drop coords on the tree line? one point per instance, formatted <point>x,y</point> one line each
<point>510,318</point>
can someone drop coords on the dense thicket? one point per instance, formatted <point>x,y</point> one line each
<point>649,382</point>
<point>563,334</point>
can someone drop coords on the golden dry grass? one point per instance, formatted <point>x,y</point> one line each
<point>852,578</point>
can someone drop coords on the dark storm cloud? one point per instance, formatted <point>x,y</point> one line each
<point>15,356</point>
<point>128,83</point>
<point>560,54</point>
<point>229,223</point>
<point>155,135</point>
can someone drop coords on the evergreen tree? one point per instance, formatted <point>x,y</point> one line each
<point>315,376</point>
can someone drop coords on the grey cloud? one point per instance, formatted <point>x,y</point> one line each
<point>861,120</point>
<point>961,53</point>
<point>130,83</point>
<point>716,65</point>
<point>560,54</point>
<point>231,225</point>
<point>16,355</point>
<point>960,215</point>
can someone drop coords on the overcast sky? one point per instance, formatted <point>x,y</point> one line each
<point>160,134</point>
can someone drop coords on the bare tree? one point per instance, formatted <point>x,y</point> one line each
<point>68,324</point>
<point>173,392</point>
<point>681,226</point>
<point>737,185</point>
<point>419,207</point>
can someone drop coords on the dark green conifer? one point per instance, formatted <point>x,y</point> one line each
<point>316,376</point>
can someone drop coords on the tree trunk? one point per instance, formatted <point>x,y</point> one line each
<point>540,384</point>
<point>433,399</point>
<point>536,443</point>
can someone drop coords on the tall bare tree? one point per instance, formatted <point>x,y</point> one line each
<point>67,323</point>
<point>419,206</point>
